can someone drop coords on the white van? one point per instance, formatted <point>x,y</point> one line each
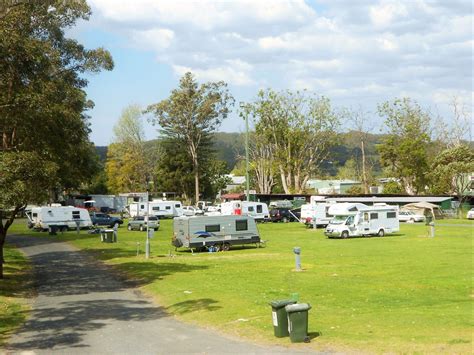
<point>158,208</point>
<point>64,217</point>
<point>357,219</point>
<point>258,210</point>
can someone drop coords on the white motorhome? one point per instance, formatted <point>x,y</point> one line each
<point>218,232</point>
<point>357,219</point>
<point>158,208</point>
<point>257,210</point>
<point>64,217</point>
<point>316,213</point>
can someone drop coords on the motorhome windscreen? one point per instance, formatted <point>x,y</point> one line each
<point>213,228</point>
<point>338,220</point>
<point>241,225</point>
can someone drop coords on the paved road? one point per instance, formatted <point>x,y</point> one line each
<point>82,307</point>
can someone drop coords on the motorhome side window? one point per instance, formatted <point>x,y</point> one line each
<point>76,215</point>
<point>259,208</point>
<point>213,228</point>
<point>35,214</point>
<point>142,206</point>
<point>156,208</point>
<point>250,208</point>
<point>374,216</point>
<point>391,215</point>
<point>241,225</point>
<point>168,207</point>
<point>177,205</point>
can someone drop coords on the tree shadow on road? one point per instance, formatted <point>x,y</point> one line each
<point>66,324</point>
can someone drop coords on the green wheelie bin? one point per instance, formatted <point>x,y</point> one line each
<point>280,318</point>
<point>298,322</point>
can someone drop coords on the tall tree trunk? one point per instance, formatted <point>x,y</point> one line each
<point>2,242</point>
<point>196,181</point>
<point>364,171</point>
<point>283,180</point>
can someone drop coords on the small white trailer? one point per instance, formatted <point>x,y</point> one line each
<point>257,210</point>
<point>63,217</point>
<point>217,232</point>
<point>158,208</point>
<point>357,219</point>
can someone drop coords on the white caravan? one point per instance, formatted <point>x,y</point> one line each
<point>158,208</point>
<point>357,219</point>
<point>64,217</point>
<point>257,210</point>
<point>216,232</point>
<point>316,213</point>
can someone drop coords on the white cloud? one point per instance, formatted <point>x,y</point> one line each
<point>359,51</point>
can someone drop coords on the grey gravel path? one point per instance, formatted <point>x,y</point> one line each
<point>83,308</point>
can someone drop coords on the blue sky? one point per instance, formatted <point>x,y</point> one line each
<point>357,53</point>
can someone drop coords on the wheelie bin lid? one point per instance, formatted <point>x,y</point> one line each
<point>299,307</point>
<point>281,303</point>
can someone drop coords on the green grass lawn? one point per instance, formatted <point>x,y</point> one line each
<point>403,293</point>
<point>14,289</point>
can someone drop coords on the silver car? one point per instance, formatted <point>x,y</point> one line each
<point>139,223</point>
<point>409,216</point>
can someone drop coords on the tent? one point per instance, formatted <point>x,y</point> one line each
<point>424,208</point>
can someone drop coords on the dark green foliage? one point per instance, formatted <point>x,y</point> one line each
<point>393,187</point>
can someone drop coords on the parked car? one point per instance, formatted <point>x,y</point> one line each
<point>282,214</point>
<point>103,219</point>
<point>139,223</point>
<point>409,216</point>
<point>192,211</point>
<point>470,214</point>
<point>106,209</point>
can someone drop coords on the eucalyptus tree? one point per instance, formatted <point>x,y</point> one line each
<point>405,148</point>
<point>190,115</point>
<point>42,103</point>
<point>298,128</point>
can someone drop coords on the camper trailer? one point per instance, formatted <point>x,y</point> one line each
<point>64,217</point>
<point>158,208</point>
<point>218,232</point>
<point>357,219</point>
<point>257,210</point>
<point>316,214</point>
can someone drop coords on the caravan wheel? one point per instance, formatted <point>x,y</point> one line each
<point>226,247</point>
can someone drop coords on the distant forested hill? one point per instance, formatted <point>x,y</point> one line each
<point>229,146</point>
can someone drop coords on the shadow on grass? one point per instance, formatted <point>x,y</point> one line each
<point>202,304</point>
<point>314,335</point>
<point>65,325</point>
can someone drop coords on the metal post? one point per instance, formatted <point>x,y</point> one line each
<point>297,251</point>
<point>432,229</point>
<point>247,157</point>
<point>147,245</point>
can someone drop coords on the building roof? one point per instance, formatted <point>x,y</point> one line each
<point>391,199</point>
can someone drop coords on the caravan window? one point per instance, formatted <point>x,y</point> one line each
<point>157,208</point>
<point>167,207</point>
<point>374,215</point>
<point>259,208</point>
<point>391,215</point>
<point>142,207</point>
<point>178,205</point>
<point>213,228</point>
<point>250,208</point>
<point>241,225</point>
<point>35,214</point>
<point>76,215</point>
